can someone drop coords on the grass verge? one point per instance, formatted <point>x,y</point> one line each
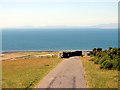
<point>26,73</point>
<point>98,78</point>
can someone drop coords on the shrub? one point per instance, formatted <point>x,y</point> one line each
<point>99,49</point>
<point>114,51</point>
<point>115,64</point>
<point>109,48</point>
<point>91,53</point>
<point>107,64</point>
<point>118,52</point>
<point>92,59</point>
<point>94,49</point>
<point>105,51</point>
<point>101,66</point>
<point>94,53</point>
<point>102,60</point>
<point>88,54</point>
<point>98,54</point>
<point>107,58</point>
<point>96,61</point>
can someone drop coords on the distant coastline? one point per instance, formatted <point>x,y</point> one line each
<point>10,52</point>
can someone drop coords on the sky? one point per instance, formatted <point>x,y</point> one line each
<point>45,13</point>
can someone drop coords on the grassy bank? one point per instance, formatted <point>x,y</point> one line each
<point>98,78</point>
<point>23,73</point>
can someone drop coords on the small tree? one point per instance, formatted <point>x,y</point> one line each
<point>110,48</point>
<point>99,49</point>
<point>94,49</point>
<point>91,53</point>
<point>118,52</point>
<point>105,51</point>
<point>114,51</point>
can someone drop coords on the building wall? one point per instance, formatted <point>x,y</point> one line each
<point>70,54</point>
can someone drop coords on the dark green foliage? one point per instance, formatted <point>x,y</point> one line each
<point>118,52</point>
<point>98,54</point>
<point>96,61</point>
<point>105,51</point>
<point>94,53</point>
<point>91,53</point>
<point>118,64</point>
<point>94,49</point>
<point>115,63</point>
<point>114,51</point>
<point>109,48</point>
<point>102,60</point>
<point>99,49</point>
<point>92,59</point>
<point>88,54</point>
<point>108,59</point>
<point>107,64</point>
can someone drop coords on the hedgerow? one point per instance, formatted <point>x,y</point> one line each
<point>108,59</point>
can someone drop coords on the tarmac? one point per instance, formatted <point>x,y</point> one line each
<point>68,74</point>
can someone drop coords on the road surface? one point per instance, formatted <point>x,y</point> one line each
<point>68,74</point>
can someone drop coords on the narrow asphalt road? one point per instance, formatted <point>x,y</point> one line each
<point>68,74</point>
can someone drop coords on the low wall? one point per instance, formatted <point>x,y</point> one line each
<point>67,54</point>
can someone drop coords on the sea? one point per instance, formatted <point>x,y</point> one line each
<point>55,39</point>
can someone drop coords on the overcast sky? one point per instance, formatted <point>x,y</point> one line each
<point>39,13</point>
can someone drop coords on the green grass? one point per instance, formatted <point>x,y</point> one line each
<point>98,78</point>
<point>23,73</point>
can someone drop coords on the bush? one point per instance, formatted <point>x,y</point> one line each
<point>118,52</point>
<point>102,60</point>
<point>92,59</point>
<point>98,54</point>
<point>88,54</point>
<point>99,49</point>
<point>94,49</point>
<point>101,66</point>
<point>91,53</point>
<point>96,61</point>
<point>109,48</point>
<point>94,53</point>
<point>105,51</point>
<point>115,64</point>
<point>106,64</point>
<point>107,58</point>
<point>114,51</point>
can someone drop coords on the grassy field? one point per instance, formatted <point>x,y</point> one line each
<point>37,53</point>
<point>26,54</point>
<point>26,73</point>
<point>98,78</point>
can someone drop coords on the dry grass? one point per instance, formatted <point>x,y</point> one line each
<point>99,78</point>
<point>22,54</point>
<point>24,73</point>
<point>9,56</point>
<point>37,53</point>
